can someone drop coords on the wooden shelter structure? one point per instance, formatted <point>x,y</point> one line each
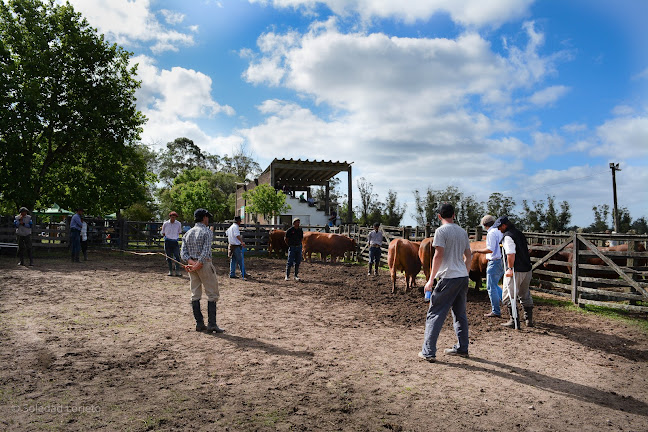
<point>300,174</point>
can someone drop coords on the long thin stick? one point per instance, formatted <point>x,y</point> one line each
<point>156,253</point>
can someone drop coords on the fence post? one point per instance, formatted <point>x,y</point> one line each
<point>478,233</point>
<point>575,258</point>
<point>123,234</point>
<point>632,247</point>
<point>428,230</point>
<point>407,231</point>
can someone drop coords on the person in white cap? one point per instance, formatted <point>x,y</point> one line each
<point>294,236</point>
<point>495,268</point>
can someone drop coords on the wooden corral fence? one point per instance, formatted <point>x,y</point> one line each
<point>143,236</point>
<point>616,279</point>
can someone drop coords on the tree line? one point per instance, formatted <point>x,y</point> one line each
<point>540,215</point>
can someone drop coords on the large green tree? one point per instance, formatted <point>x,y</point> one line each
<point>68,119</point>
<point>264,200</point>
<point>467,209</point>
<point>200,188</point>
<point>500,205</point>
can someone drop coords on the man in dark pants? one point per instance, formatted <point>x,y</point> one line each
<point>23,224</point>
<point>451,263</point>
<point>294,236</point>
<point>374,241</point>
<point>76,224</point>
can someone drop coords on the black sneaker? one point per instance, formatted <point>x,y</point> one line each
<point>453,351</point>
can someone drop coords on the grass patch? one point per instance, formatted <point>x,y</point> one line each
<point>628,317</point>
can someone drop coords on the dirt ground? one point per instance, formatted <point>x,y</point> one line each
<point>109,344</point>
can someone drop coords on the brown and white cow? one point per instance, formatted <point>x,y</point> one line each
<point>403,256</point>
<point>326,244</point>
<point>277,242</point>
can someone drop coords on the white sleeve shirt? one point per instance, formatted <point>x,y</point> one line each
<point>509,245</point>
<point>232,233</point>
<point>171,231</point>
<point>493,239</point>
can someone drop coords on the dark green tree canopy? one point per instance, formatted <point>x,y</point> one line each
<point>68,121</point>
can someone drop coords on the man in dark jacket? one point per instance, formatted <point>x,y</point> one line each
<point>294,236</point>
<point>518,269</point>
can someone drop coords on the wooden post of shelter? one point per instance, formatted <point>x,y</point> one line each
<point>350,195</point>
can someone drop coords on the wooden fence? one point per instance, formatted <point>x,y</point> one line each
<point>593,276</point>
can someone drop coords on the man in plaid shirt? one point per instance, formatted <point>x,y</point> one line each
<point>196,250</point>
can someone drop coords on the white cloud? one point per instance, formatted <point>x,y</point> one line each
<point>548,96</point>
<point>172,17</point>
<point>174,100</point>
<point>471,13</point>
<point>642,75</point>
<point>622,110</point>
<point>128,22</point>
<point>623,137</point>
<point>574,127</point>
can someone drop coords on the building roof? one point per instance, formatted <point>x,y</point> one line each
<point>304,172</point>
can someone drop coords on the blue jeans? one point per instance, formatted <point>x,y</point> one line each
<point>75,243</point>
<point>237,257</point>
<point>172,250</point>
<point>448,293</point>
<point>494,272</point>
<point>294,258</point>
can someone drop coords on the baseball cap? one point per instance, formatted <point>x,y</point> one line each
<point>237,218</point>
<point>502,220</point>
<point>200,213</point>
<point>296,219</point>
<point>23,209</point>
<point>487,220</point>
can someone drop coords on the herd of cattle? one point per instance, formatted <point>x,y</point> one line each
<point>410,257</point>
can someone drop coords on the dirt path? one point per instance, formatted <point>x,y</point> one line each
<point>109,345</point>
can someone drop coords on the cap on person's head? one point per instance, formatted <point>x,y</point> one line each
<point>488,220</point>
<point>376,224</point>
<point>79,209</point>
<point>173,214</point>
<point>446,210</point>
<point>23,209</point>
<point>200,214</point>
<point>237,218</point>
<point>502,220</point>
<point>296,219</point>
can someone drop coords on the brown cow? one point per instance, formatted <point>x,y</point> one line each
<point>326,244</point>
<point>426,253</point>
<point>277,242</point>
<point>403,256</point>
<point>478,263</point>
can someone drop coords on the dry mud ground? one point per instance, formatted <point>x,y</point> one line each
<point>109,344</point>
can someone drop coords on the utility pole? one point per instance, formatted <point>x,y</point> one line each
<point>615,167</point>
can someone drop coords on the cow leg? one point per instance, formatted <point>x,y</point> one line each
<point>393,278</point>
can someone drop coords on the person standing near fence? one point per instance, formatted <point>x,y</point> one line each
<point>23,223</point>
<point>75,234</point>
<point>451,263</point>
<point>517,260</point>
<point>235,248</point>
<point>293,237</point>
<point>374,242</point>
<point>494,268</point>
<point>197,251</point>
<point>171,230</point>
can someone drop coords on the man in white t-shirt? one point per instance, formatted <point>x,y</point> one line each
<point>171,231</point>
<point>451,263</point>
<point>235,248</point>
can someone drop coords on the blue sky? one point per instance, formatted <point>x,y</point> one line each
<point>523,97</point>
